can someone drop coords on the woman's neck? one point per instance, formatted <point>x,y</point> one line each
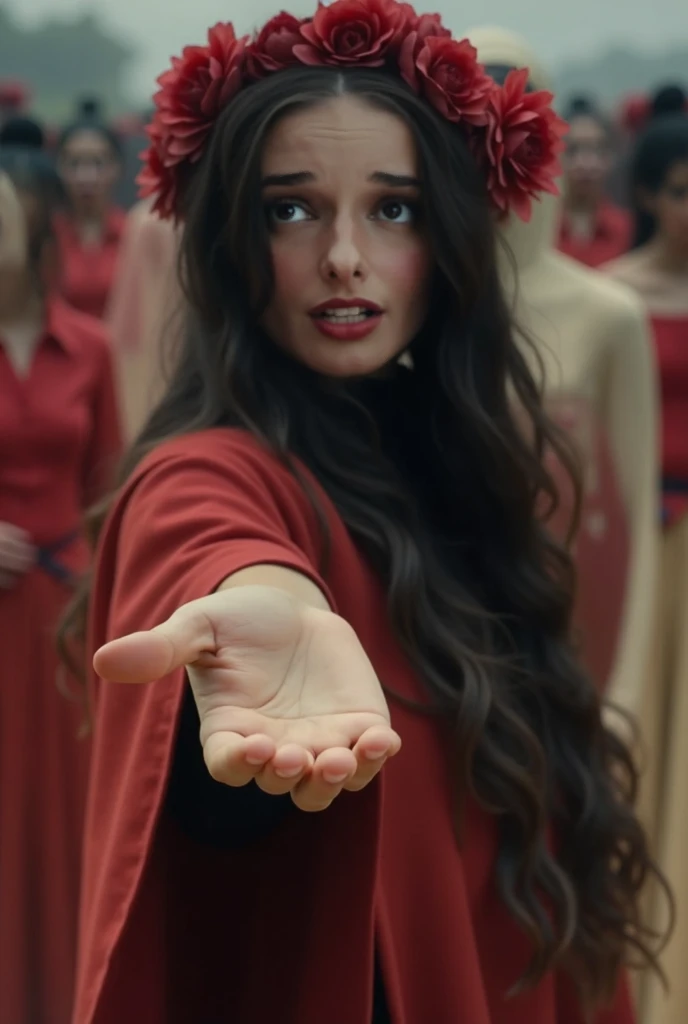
<point>581,214</point>
<point>90,222</point>
<point>577,203</point>
<point>668,259</point>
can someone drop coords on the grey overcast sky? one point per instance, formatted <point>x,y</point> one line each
<point>558,28</point>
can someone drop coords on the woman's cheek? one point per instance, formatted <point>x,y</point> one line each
<point>292,272</point>
<point>406,268</point>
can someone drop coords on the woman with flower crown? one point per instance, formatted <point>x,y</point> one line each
<point>326,559</point>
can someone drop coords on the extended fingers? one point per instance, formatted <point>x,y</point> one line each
<point>285,770</point>
<point>372,751</point>
<point>332,770</point>
<point>313,782</point>
<point>234,760</point>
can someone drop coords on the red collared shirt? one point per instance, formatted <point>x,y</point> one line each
<point>611,237</point>
<point>59,429</point>
<point>87,271</point>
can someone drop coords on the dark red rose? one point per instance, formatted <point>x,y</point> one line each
<point>448,74</point>
<point>523,140</point>
<point>273,47</point>
<point>431,25</point>
<point>156,179</point>
<point>194,91</point>
<point>359,32</point>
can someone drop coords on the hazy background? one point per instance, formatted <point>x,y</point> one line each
<point>116,47</point>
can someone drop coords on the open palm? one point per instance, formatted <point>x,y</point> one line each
<point>285,692</point>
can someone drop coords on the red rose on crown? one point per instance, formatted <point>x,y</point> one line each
<point>158,180</point>
<point>352,32</point>
<point>199,85</point>
<point>522,143</point>
<point>448,74</point>
<point>273,48</point>
<point>516,137</point>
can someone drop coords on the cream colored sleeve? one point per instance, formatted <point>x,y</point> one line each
<point>631,413</point>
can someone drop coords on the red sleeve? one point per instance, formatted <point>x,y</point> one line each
<point>105,441</point>
<point>208,506</point>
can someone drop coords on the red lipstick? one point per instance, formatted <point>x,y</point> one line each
<point>346,319</point>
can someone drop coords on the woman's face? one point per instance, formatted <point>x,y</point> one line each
<point>89,168</point>
<point>587,159</point>
<point>669,207</point>
<point>352,266</point>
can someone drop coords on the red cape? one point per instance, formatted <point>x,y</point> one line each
<point>285,930</point>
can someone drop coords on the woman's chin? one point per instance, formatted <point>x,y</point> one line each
<point>349,360</point>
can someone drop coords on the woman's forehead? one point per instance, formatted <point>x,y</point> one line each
<point>342,131</point>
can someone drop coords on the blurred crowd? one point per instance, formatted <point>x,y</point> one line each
<point>93,275</point>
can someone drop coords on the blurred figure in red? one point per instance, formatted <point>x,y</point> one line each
<point>592,230</point>
<point>58,437</point>
<point>90,231</point>
<point>657,269</point>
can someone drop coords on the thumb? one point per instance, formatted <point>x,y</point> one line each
<point>146,656</point>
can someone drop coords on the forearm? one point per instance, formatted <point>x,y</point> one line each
<point>633,421</point>
<point>636,635</point>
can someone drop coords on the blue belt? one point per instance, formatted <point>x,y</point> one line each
<point>49,563</point>
<point>672,485</point>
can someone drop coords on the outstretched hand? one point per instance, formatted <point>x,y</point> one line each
<point>285,692</point>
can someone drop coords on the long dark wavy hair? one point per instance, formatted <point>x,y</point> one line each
<point>438,473</point>
<point>663,144</point>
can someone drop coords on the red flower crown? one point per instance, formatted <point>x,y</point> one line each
<point>514,134</point>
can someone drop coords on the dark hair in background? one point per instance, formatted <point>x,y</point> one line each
<point>33,172</point>
<point>441,487</point>
<point>89,119</point>
<point>663,144</point>
<point>668,99</point>
<point>22,131</point>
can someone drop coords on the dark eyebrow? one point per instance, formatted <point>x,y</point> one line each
<point>304,177</point>
<point>298,178</point>
<point>395,180</point>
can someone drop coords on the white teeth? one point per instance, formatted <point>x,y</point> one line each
<point>346,319</point>
<point>345,313</point>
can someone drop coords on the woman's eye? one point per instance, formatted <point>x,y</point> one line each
<point>396,212</point>
<point>285,212</point>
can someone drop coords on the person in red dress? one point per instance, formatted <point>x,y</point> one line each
<point>592,229</point>
<point>657,269</point>
<point>326,560</point>
<point>58,436</point>
<point>90,230</point>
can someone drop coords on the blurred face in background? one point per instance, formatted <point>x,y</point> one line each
<point>587,161</point>
<point>89,169</point>
<point>669,207</point>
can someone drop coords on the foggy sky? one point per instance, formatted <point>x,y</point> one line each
<point>559,29</point>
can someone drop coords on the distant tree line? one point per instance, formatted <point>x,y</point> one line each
<point>63,58</point>
<point>66,57</point>
<point>621,71</point>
